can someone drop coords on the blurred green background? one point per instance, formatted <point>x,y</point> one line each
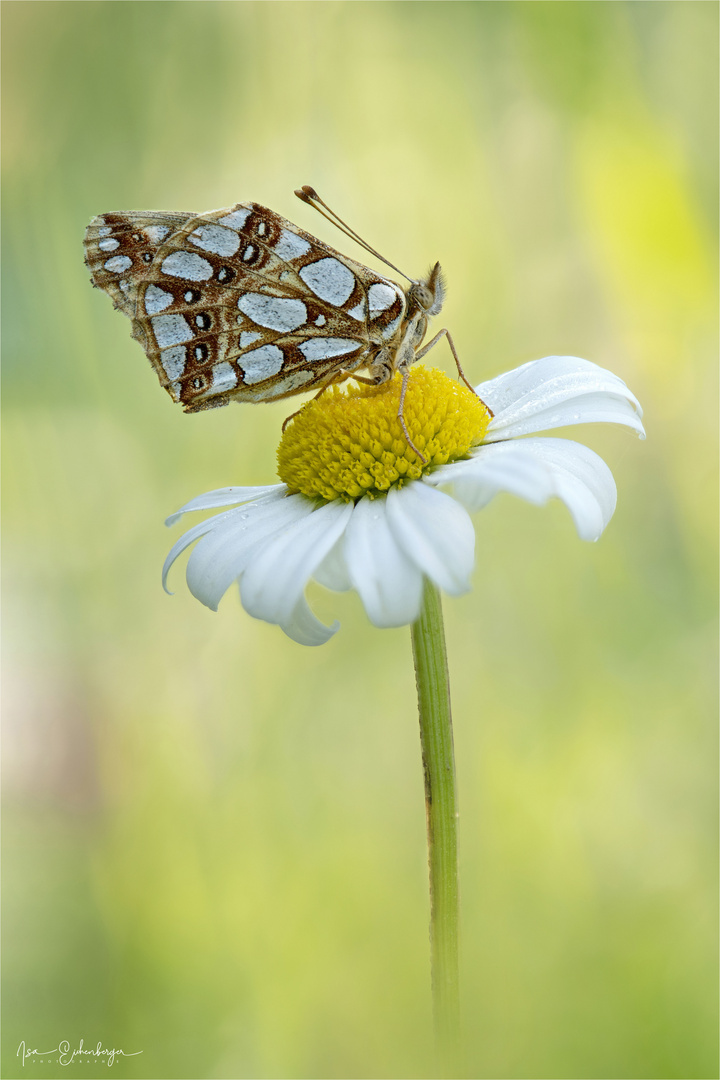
<point>214,838</point>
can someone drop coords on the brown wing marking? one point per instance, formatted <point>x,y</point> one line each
<point>268,373</point>
<point>120,248</point>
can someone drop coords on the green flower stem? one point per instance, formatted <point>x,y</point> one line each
<point>436,738</point>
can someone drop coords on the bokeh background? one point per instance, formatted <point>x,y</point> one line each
<point>214,838</point>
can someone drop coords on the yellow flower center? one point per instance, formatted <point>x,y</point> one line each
<point>349,442</point>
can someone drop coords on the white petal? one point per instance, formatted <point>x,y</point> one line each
<point>435,532</point>
<point>223,554</point>
<point>303,627</point>
<point>507,466</point>
<point>537,469</point>
<point>227,496</point>
<point>332,571</point>
<point>583,482</point>
<point>276,576</point>
<point>189,538</point>
<point>388,582</point>
<point>555,392</point>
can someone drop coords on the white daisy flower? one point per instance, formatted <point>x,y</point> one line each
<point>357,509</point>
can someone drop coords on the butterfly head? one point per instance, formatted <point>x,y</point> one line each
<point>428,296</point>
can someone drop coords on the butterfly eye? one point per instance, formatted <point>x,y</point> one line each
<point>420,295</point>
<point>198,383</point>
<point>225,274</point>
<point>147,257</point>
<point>203,320</point>
<point>200,352</point>
<point>191,296</point>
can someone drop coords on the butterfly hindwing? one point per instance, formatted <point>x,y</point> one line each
<point>120,248</point>
<point>240,303</point>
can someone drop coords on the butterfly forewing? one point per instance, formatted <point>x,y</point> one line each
<point>240,303</point>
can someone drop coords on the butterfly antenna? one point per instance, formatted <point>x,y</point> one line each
<point>309,195</point>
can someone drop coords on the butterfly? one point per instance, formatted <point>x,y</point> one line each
<point>239,304</point>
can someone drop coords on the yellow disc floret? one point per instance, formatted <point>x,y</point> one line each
<point>347,443</point>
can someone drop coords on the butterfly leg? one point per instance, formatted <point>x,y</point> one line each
<point>426,349</point>
<point>361,378</point>
<point>382,371</point>
<point>401,418</point>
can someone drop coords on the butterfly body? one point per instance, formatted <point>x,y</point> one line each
<point>240,304</point>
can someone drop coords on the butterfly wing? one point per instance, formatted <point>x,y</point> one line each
<point>120,248</point>
<point>240,304</point>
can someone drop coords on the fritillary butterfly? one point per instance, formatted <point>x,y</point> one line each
<point>241,305</point>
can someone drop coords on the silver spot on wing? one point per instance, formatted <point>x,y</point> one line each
<point>185,264</point>
<point>171,330</point>
<point>273,312</point>
<point>290,245</point>
<point>322,348</point>
<point>329,279</point>
<point>262,363</point>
